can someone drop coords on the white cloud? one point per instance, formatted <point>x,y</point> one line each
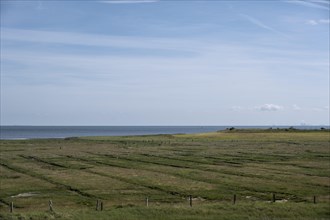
<point>264,107</point>
<point>268,107</point>
<point>296,107</point>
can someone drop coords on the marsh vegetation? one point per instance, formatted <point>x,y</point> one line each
<point>121,172</point>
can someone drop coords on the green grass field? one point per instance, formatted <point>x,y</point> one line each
<point>122,171</point>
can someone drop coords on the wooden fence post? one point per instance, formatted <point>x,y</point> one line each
<point>50,203</point>
<point>101,206</point>
<point>274,197</point>
<point>147,201</point>
<point>314,199</point>
<point>97,205</point>
<point>190,201</point>
<point>11,207</point>
<point>234,199</point>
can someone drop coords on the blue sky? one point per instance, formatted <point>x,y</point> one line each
<point>126,62</point>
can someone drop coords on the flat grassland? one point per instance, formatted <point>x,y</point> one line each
<point>213,167</point>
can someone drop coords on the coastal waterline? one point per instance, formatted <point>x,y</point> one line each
<point>30,132</point>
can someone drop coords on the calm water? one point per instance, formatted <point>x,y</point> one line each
<point>28,132</point>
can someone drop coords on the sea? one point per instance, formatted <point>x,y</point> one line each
<point>40,132</point>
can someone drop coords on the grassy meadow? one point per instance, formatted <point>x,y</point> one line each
<point>212,167</point>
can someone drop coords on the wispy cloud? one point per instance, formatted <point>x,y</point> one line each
<point>262,25</point>
<point>327,2</point>
<point>320,109</point>
<point>317,22</point>
<point>223,61</point>
<point>128,1</point>
<point>269,107</point>
<point>312,4</point>
<point>324,21</point>
<point>317,109</point>
<point>311,22</point>
<point>186,48</point>
<point>98,40</point>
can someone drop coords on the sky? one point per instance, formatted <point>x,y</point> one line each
<point>161,62</point>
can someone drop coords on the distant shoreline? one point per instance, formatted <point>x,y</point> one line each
<point>62,132</point>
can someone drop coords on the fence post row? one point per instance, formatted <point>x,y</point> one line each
<point>99,204</point>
